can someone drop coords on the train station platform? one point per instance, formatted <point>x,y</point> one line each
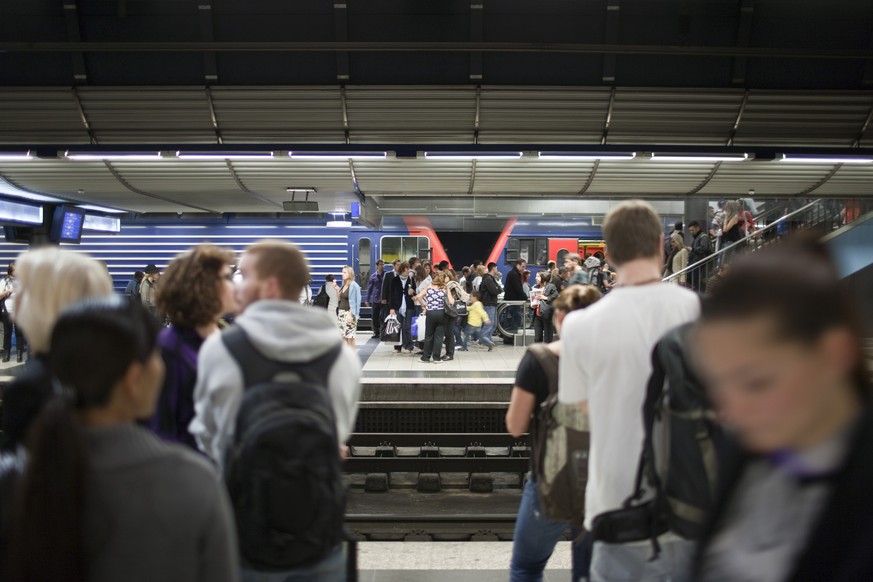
<point>455,561</point>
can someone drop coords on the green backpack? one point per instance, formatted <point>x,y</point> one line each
<point>561,442</point>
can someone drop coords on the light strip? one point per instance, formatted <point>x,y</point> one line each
<point>225,156</point>
<point>16,156</point>
<point>101,209</point>
<point>701,158</point>
<point>801,159</point>
<point>109,156</point>
<point>326,156</point>
<point>466,156</point>
<point>585,157</point>
<point>338,224</point>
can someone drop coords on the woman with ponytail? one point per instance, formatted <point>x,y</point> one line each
<point>100,498</point>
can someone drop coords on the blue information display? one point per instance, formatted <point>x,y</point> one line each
<point>67,225</point>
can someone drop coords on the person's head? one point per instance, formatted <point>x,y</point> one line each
<point>10,270</point>
<point>599,256</point>
<point>420,273</point>
<point>196,288</point>
<point>476,296</point>
<point>694,227</point>
<point>678,226</point>
<point>271,269</point>
<point>731,209</point>
<point>441,279</point>
<point>329,278</point>
<point>779,347</point>
<point>50,280</point>
<point>481,270</point>
<point>443,265</point>
<point>545,277</point>
<point>413,261</point>
<point>551,265</point>
<point>428,267</point>
<point>402,269</point>
<point>151,272</point>
<point>525,276</point>
<point>676,241</point>
<point>632,231</point>
<point>107,371</point>
<point>395,264</point>
<point>573,262</point>
<point>492,268</point>
<point>721,203</point>
<point>476,264</point>
<point>465,271</point>
<point>380,266</point>
<point>565,273</point>
<point>573,298</point>
<point>138,275</point>
<point>348,274</point>
<point>520,264</point>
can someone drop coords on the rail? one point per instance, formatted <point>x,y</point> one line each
<point>439,440</point>
<point>705,265</point>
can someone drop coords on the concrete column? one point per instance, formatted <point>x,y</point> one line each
<point>696,209</point>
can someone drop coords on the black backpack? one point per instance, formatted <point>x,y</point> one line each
<point>283,468</point>
<point>322,299</point>
<point>679,460</point>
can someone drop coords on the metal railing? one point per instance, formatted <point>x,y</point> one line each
<point>812,215</point>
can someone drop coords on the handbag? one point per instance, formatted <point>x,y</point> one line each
<point>391,330</point>
<point>420,329</point>
<point>449,308</point>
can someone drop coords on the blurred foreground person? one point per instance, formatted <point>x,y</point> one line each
<point>196,290</point>
<point>781,354</point>
<point>101,499</point>
<point>49,280</point>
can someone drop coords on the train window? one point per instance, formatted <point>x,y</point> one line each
<point>512,250</point>
<point>404,247</point>
<point>533,250</point>
<point>364,266</point>
<point>542,256</point>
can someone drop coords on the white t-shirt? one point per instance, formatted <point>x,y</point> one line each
<point>606,360</point>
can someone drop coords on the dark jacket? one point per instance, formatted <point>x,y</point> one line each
<point>374,287</point>
<point>839,544</point>
<point>699,248</point>
<point>399,292</point>
<point>489,290</point>
<point>514,287</point>
<point>23,400</point>
<point>386,285</point>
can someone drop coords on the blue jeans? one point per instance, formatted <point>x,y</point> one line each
<point>488,328</point>
<point>405,330</point>
<point>535,538</point>
<point>331,569</point>
<point>476,333</point>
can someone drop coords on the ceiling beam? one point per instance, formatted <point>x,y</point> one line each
<point>604,135</point>
<point>348,139</point>
<point>477,34</point>
<point>610,36</point>
<point>730,141</point>
<point>452,47</point>
<point>744,38</point>
<point>341,31</point>
<point>207,34</point>
<point>475,137</point>
<point>74,34</point>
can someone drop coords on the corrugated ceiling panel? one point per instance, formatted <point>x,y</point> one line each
<point>413,176</point>
<point>417,115</point>
<point>40,116</point>
<point>272,178</point>
<point>530,176</point>
<point>280,114</point>
<point>148,115</point>
<point>647,177</point>
<point>547,115</point>
<point>781,118</point>
<point>766,178</point>
<point>850,180</point>
<point>671,117</point>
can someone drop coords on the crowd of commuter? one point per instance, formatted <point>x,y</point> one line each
<point>209,450</point>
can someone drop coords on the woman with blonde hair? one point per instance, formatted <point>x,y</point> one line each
<point>196,290</point>
<point>433,301</point>
<point>677,260</point>
<point>49,280</point>
<point>349,306</point>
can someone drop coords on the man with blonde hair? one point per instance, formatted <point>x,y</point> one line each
<point>606,374</point>
<point>285,360</point>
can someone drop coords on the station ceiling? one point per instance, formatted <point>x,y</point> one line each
<point>641,73</point>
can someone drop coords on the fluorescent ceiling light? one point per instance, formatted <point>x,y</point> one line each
<point>101,209</point>
<point>819,159</point>
<point>585,156</point>
<point>339,155</point>
<point>701,158</point>
<point>472,156</point>
<point>109,156</point>
<point>8,189</point>
<point>338,224</point>
<point>15,156</point>
<point>224,155</point>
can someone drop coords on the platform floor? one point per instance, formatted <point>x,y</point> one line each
<point>382,363</point>
<point>454,561</point>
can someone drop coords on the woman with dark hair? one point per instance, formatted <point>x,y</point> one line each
<point>780,351</point>
<point>101,499</point>
<point>196,290</point>
<point>7,308</point>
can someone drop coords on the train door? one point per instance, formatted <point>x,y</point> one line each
<point>404,247</point>
<point>363,262</point>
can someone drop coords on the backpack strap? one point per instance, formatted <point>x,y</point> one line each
<point>548,361</point>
